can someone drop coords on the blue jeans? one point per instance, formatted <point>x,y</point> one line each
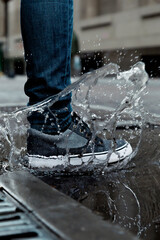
<point>47,27</point>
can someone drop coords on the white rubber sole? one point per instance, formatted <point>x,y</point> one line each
<point>35,161</point>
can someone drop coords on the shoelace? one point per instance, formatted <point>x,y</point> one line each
<point>80,127</point>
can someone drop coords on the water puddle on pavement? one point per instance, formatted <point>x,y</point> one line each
<point>110,101</point>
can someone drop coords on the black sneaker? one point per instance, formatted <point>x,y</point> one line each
<point>74,146</point>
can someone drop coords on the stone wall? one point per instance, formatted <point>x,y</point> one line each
<point>130,26</point>
<point>101,25</point>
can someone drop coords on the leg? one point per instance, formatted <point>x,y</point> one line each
<point>47,35</point>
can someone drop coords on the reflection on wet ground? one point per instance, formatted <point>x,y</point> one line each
<point>129,197</point>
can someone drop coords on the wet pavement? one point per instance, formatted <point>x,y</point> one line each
<point>128,197</point>
<point>12,91</point>
<point>12,94</point>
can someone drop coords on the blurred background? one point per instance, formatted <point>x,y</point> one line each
<point>119,31</point>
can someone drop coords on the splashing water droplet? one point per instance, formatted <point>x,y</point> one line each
<point>91,96</point>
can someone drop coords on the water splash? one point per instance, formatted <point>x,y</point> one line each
<point>87,94</point>
<point>138,207</point>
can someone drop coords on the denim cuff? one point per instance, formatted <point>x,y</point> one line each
<point>49,121</point>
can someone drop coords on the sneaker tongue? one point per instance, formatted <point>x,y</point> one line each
<point>80,127</point>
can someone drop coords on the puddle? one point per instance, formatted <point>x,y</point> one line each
<point>126,193</point>
<point>128,197</point>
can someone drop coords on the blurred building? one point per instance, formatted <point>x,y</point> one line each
<point>121,31</point>
<point>14,45</point>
